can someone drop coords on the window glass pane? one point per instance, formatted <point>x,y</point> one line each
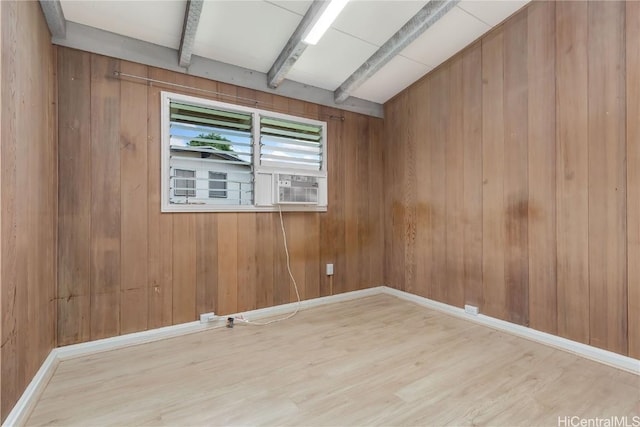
<point>287,143</point>
<point>185,187</point>
<point>218,144</point>
<point>217,185</point>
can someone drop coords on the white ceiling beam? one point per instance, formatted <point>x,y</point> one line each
<point>295,46</point>
<point>54,16</point>
<point>189,27</point>
<point>418,24</point>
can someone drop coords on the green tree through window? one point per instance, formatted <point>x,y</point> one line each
<point>213,137</point>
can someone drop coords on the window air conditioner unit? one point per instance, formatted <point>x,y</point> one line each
<point>293,189</point>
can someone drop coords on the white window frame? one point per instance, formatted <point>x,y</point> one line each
<point>167,206</point>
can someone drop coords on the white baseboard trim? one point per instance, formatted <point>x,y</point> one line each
<point>137,338</point>
<point>24,406</point>
<point>309,303</point>
<point>19,414</point>
<point>596,354</point>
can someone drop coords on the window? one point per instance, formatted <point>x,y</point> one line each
<point>224,157</point>
<point>185,187</point>
<point>290,144</point>
<point>217,185</point>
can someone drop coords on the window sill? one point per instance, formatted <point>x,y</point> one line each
<point>217,209</point>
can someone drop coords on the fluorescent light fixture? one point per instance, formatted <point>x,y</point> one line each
<point>324,22</point>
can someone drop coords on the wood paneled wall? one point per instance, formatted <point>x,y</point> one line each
<point>126,267</point>
<point>28,214</point>
<point>511,175</point>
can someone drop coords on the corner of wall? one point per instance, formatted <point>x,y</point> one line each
<point>28,210</point>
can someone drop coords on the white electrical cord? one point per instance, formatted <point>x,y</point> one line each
<point>295,285</point>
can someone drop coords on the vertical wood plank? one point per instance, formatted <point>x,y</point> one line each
<point>377,201</point>
<point>312,268</point>
<point>572,171</point>
<point>351,277</point>
<point>515,169</point>
<point>24,161</point>
<point>206,263</point>
<point>227,257</point>
<point>438,121</point>
<point>394,179</point>
<point>9,293</point>
<point>264,270</point>
<point>159,226</point>
<point>281,280</point>
<point>184,268</point>
<point>419,121</point>
<point>2,138</point>
<point>542,167</point>
<point>454,179</point>
<point>134,214</point>
<point>633,175</point>
<point>493,231</point>
<point>42,264</point>
<point>105,198</point>
<point>48,224</point>
<point>74,199</point>
<point>407,190</point>
<point>296,242</point>
<point>361,220</point>
<point>247,260</point>
<point>607,178</point>
<point>472,172</point>
<point>339,164</point>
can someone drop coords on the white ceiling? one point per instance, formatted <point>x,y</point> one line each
<point>251,34</point>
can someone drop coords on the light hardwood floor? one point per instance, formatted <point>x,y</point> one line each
<point>373,361</point>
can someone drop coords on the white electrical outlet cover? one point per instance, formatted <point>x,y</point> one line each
<point>470,309</point>
<point>207,317</point>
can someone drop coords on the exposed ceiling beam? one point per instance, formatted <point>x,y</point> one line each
<point>52,10</point>
<point>421,21</point>
<point>189,27</point>
<point>295,46</point>
<point>103,42</point>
